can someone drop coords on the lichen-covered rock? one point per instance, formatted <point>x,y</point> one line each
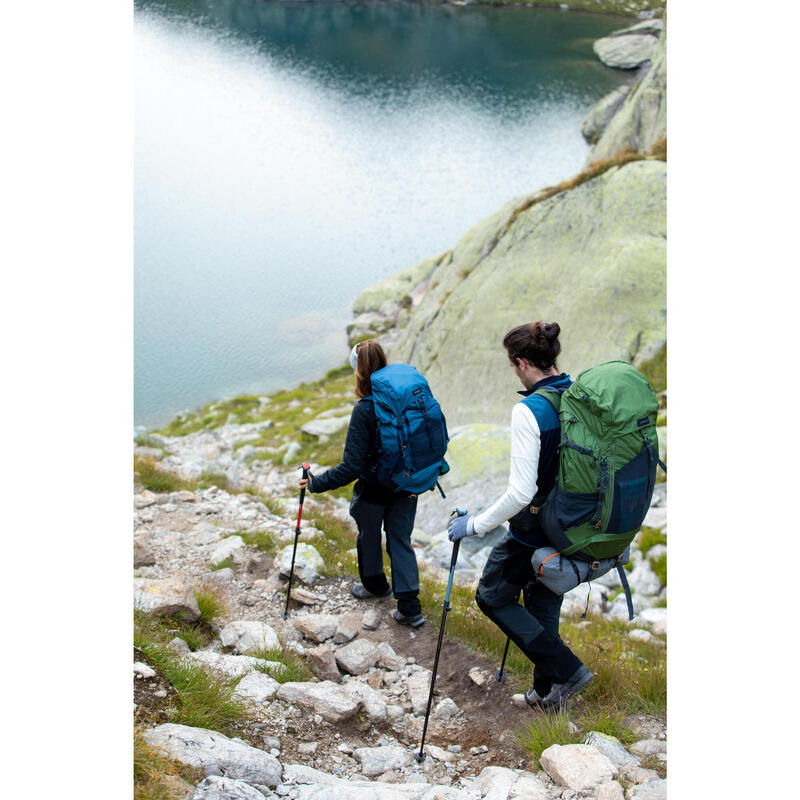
<point>395,287</point>
<point>419,685</point>
<point>215,754</point>
<point>143,555</point>
<point>308,562</point>
<point>611,747</point>
<point>163,597</point>
<point>372,700</point>
<point>598,246</point>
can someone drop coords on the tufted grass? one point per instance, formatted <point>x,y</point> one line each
<point>224,564</point>
<point>156,777</point>
<point>204,700</point>
<point>649,538</point>
<point>261,540</point>
<point>334,546</point>
<point>544,730</point>
<point>158,480</point>
<point>659,566</point>
<point>295,668</point>
<point>209,604</point>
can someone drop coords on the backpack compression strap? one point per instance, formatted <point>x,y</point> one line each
<point>627,589</point>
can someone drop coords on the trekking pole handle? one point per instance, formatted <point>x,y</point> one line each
<point>305,467</point>
<point>459,511</point>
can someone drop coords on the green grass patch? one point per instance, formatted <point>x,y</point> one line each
<point>209,604</point>
<point>209,479</point>
<point>261,540</point>
<point>224,564</point>
<point>158,480</point>
<point>204,700</point>
<point>608,721</point>
<point>649,538</point>
<point>545,730</point>
<point>294,667</point>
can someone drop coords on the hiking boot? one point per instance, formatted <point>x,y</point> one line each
<point>415,621</point>
<point>561,692</point>
<point>361,593</point>
<point>533,700</point>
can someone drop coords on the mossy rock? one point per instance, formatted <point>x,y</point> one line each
<point>592,258</point>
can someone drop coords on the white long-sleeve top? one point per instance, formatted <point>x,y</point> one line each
<point>525,446</point>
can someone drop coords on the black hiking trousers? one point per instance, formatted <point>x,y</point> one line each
<point>532,627</point>
<point>396,516</point>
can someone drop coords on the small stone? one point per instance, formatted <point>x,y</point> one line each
<point>477,676</point>
<point>371,619</point>
<point>518,700</point>
<point>347,629</point>
<point>476,751</point>
<point>454,748</point>
<point>178,645</point>
<point>143,555</point>
<point>446,709</point>
<point>272,743</point>
<point>308,748</point>
<point>653,789</point>
<point>378,760</point>
<point>160,693</point>
<point>257,687</point>
<point>388,658</point>
<point>375,679</point>
<point>322,662</point>
<point>357,657</point>
<point>143,670</point>
<point>317,627</point>
<point>648,747</point>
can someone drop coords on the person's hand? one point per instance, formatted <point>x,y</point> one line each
<point>460,527</point>
<point>305,483</point>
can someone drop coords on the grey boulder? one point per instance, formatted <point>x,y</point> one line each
<point>215,753</point>
<point>577,766</point>
<point>626,52</point>
<point>326,698</point>
<point>247,635</point>
<point>357,657</point>
<point>163,597</point>
<point>377,760</point>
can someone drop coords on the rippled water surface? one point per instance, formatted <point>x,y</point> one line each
<point>289,155</point>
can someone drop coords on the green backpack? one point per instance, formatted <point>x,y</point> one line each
<point>607,463</point>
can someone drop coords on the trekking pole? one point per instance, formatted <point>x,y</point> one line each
<point>500,673</point>
<point>420,757</point>
<point>305,468</point>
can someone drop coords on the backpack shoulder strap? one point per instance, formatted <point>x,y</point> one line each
<point>553,396</point>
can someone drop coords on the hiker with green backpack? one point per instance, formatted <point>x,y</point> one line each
<point>394,451</point>
<point>582,472</point>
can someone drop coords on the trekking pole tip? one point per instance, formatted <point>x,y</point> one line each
<point>500,675</point>
<point>420,757</point>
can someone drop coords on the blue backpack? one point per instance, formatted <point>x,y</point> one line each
<point>412,433</point>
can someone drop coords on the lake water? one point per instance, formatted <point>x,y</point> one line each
<point>288,155</point>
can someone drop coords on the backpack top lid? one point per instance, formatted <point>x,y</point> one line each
<point>612,396</point>
<point>397,385</point>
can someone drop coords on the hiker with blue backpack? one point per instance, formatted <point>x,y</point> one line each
<point>583,461</point>
<point>394,450</point>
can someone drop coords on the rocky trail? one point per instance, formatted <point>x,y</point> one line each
<point>351,728</point>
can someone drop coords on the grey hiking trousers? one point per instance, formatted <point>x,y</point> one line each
<point>397,519</point>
